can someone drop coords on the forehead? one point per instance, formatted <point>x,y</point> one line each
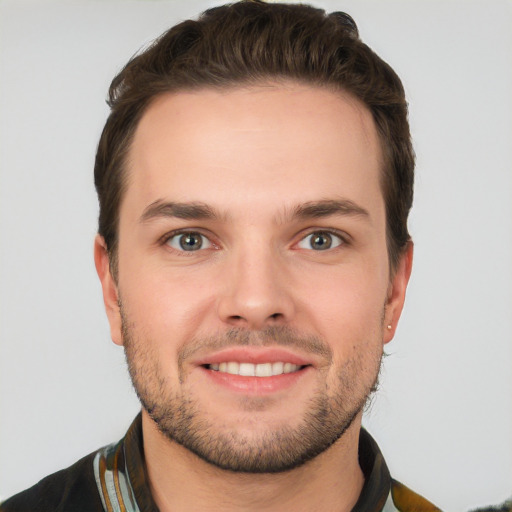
<point>268,144</point>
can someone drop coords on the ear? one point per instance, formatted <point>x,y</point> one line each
<point>396,293</point>
<point>109,286</point>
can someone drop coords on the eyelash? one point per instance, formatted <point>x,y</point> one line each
<point>164,240</point>
<point>344,239</point>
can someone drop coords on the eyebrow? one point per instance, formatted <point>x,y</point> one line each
<point>202,211</point>
<point>187,211</point>
<point>328,208</point>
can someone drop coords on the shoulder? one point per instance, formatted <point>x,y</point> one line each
<point>73,488</point>
<point>406,500</point>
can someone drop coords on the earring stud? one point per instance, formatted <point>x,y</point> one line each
<point>389,326</point>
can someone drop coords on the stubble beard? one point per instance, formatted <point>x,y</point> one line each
<point>329,413</point>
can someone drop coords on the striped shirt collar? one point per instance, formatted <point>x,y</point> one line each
<point>121,475</point>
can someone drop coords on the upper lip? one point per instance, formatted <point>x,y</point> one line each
<point>254,355</point>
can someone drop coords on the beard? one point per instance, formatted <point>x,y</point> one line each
<point>180,418</point>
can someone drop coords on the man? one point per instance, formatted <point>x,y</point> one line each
<point>254,178</point>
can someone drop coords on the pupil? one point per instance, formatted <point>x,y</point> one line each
<point>321,241</point>
<point>190,242</point>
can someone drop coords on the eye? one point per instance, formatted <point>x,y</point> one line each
<point>189,241</point>
<point>320,241</point>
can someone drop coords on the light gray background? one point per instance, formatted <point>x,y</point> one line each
<point>444,414</point>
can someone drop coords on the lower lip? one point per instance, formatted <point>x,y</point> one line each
<point>256,385</point>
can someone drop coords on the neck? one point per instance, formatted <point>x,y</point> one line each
<point>331,481</point>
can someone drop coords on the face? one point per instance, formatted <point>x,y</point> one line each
<point>253,295</point>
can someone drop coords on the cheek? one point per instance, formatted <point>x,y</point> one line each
<point>166,307</point>
<point>346,306</point>
<point>345,298</point>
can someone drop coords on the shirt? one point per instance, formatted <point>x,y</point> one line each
<point>114,478</point>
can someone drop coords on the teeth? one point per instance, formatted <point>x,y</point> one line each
<point>252,370</point>
<point>263,370</point>
<point>277,368</point>
<point>232,367</point>
<point>288,367</point>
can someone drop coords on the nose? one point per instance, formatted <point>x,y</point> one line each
<point>257,291</point>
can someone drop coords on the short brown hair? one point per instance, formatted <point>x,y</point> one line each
<point>252,42</point>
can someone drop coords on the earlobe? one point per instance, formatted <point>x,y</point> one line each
<point>396,293</point>
<point>109,287</point>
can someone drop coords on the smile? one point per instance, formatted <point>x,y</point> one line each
<point>255,370</point>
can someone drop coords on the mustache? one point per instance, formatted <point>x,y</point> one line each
<point>270,336</point>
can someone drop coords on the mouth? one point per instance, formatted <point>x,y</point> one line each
<point>268,369</point>
<point>255,371</point>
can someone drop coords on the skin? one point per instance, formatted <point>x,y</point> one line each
<point>254,155</point>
